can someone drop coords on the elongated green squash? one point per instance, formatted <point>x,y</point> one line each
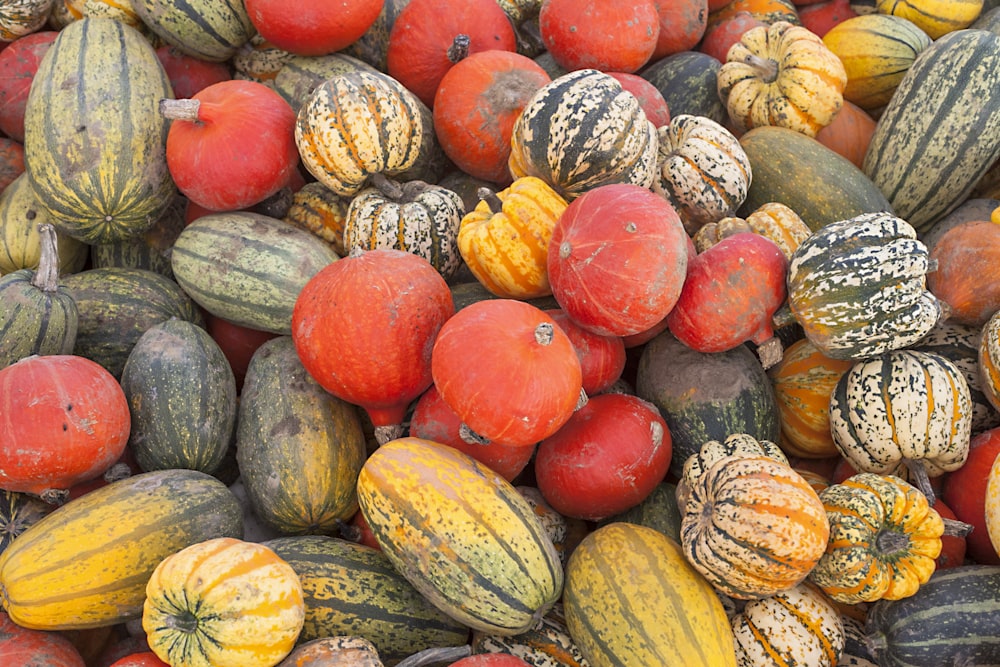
<point>86,564</point>
<point>94,140</point>
<point>940,131</point>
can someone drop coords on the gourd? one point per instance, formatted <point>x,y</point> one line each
<point>312,30</point>
<point>737,444</point>
<point>965,278</point>
<point>300,76</point>
<point>151,250</point>
<point>989,360</point>
<point>774,220</point>
<point>31,648</point>
<point>23,17</point>
<point>323,212</point>
<point>547,642</point>
<point>688,82</point>
<point>20,242</point>
<point>206,29</point>
<point>934,17</point>
<point>19,62</point>
<point>615,37</point>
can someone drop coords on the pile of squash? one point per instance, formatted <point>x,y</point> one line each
<point>499,333</point>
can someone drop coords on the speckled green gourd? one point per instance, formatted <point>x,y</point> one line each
<point>211,30</point>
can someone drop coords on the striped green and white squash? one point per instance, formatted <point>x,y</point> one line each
<point>149,250</point>
<point>940,131</point>
<point>461,534</point>
<point>300,76</point>
<point>547,644</point>
<point>855,653</point>
<point>858,287</point>
<point>351,589</point>
<point>212,30</point>
<point>950,620</point>
<point>988,360</point>
<point>259,60</point>
<point>582,130</point>
<point>902,406</point>
<point>22,17</point>
<point>20,242</point>
<point>94,140</point>
<point>247,268</point>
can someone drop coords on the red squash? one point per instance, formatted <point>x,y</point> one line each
<point>507,370</point>
<point>210,154</point>
<point>602,358</point>
<point>475,106</point>
<point>64,419</point>
<point>430,36</point>
<point>849,134</point>
<point>730,295</point>
<point>17,69</point>
<point>189,75</point>
<point>238,343</point>
<point>312,27</point>
<point>617,259</point>
<point>953,547</point>
<point>968,271</point>
<point>21,647</point>
<point>649,96</point>
<point>964,491</point>
<point>721,35</point>
<point>682,25</point>
<point>607,35</point>
<point>819,17</point>
<point>144,659</point>
<point>11,161</point>
<point>364,327</point>
<point>608,457</point>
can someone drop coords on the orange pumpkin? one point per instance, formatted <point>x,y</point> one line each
<point>849,133</point>
<point>968,271</point>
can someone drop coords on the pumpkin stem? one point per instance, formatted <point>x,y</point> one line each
<point>180,109</point>
<point>470,436</point>
<point>117,472</point>
<point>932,265</point>
<point>185,622</point>
<point>583,400</point>
<point>783,317</point>
<point>459,48</point>
<point>770,352</point>
<point>890,542</point>
<point>348,531</point>
<point>384,434</point>
<point>387,186</point>
<point>956,528</point>
<point>46,278</point>
<point>918,473</point>
<point>430,656</point>
<point>544,333</point>
<point>491,199</point>
<point>766,68</point>
<point>54,496</point>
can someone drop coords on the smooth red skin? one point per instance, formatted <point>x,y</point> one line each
<point>649,96</point>
<point>602,358</point>
<point>682,25</point>
<point>607,35</point>
<point>212,161</point>
<point>312,27</point>
<point>18,65</point>
<point>964,491</point>
<point>364,328</point>
<point>145,659</point>
<point>365,535</point>
<point>64,419</point>
<point>849,134</point>
<point>721,36</point>
<point>423,32</point>
<point>238,343</point>
<point>603,460</point>
<point>189,75</point>
<point>11,161</point>
<point>491,660</point>
<point>953,548</point>
<point>475,106</point>
<point>730,295</point>
<point>616,282</point>
<point>819,18</point>
<point>22,647</point>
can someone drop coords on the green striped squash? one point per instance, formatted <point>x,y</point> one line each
<point>951,620</point>
<point>300,76</point>
<point>149,250</point>
<point>373,46</point>
<point>20,242</point>
<point>461,534</point>
<point>94,140</point>
<point>117,305</point>
<point>631,598</point>
<point>210,30</point>
<point>940,131</point>
<point>299,449</point>
<point>546,644</point>
<point>181,394</point>
<point>688,81</point>
<point>86,564</point>
<point>351,589</point>
<point>247,268</point>
<point>582,130</point>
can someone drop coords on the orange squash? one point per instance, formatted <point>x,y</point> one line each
<point>968,271</point>
<point>849,133</point>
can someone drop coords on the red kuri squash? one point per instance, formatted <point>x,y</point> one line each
<point>17,69</point>
<point>312,27</point>
<point>606,35</point>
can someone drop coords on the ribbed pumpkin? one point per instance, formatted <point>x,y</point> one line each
<point>781,75</point>
<point>335,651</point>
<point>36,648</point>
<point>211,30</point>
<point>702,170</point>
<point>631,598</point>
<point>989,360</point>
<point>301,481</point>
<point>935,17</point>
<point>461,534</point>
<point>322,211</point>
<point>94,141</point>
<point>774,220</point>
<point>966,277</point>
<point>223,603</point>
<point>20,242</point>
<point>884,537</point>
<point>858,287</point>
<point>753,527</point>
<point>582,130</point>
<point>737,444</point>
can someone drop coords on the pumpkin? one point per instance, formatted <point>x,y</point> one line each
<point>335,651</point>
<point>504,240</point>
<point>23,17</point>
<point>18,64</point>
<point>849,133</point>
<point>35,648</point>
<point>602,358</point>
<point>364,328</point>
<point>649,96</point>
<point>753,527</point>
<point>687,81</point>
<point>702,170</point>
<point>583,130</point>
<point>884,537</point>
<point>523,380</point>
<point>20,241</point>
<point>606,36</point>
<point>308,28</point>
<point>767,11</point>
<point>781,75</point>
<point>205,29</point>
<point>11,161</point>
<point>188,74</point>
<point>737,444</point>
<point>682,25</point>
<point>223,603</point>
<point>774,220</point>
<point>820,17</point>
<point>966,256</point>
<point>415,217</point>
<point>934,17</point>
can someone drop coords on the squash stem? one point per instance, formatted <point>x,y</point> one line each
<point>770,352</point>
<point>956,528</point>
<point>46,278</point>
<point>544,333</point>
<point>387,186</point>
<point>459,48</point>
<point>470,436</point>
<point>491,199</point>
<point>438,654</point>
<point>766,68</point>
<point>783,317</point>
<point>384,434</point>
<point>918,474</point>
<point>180,109</point>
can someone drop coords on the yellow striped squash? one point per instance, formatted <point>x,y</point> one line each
<point>94,140</point>
<point>20,247</point>
<point>211,30</point>
<point>935,17</point>
<point>461,534</point>
<point>631,598</point>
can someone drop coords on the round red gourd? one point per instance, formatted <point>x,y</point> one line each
<point>606,35</point>
<point>968,271</point>
<point>649,96</point>
<point>11,161</point>
<point>953,547</point>
<point>21,647</point>
<point>730,295</point>
<point>364,328</point>
<point>475,106</point>
<point>507,370</point>
<point>617,259</point>
<point>491,660</point>
<point>208,152</point>
<point>312,27</point>
<point>64,419</point>
<point>682,25</point>
<point>189,75</point>
<point>602,358</point>
<point>607,458</point>
<point>819,17</point>
<point>964,491</point>
<point>144,659</point>
<point>17,69</point>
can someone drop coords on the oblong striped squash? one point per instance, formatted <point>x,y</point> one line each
<point>935,17</point>
<point>247,268</point>
<point>20,243</point>
<point>631,598</point>
<point>940,132</point>
<point>461,534</point>
<point>149,250</point>
<point>86,564</point>
<point>211,30</point>
<point>351,589</point>
<point>94,140</point>
<point>300,76</point>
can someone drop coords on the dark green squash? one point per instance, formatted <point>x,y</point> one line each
<point>688,82</point>
<point>658,511</point>
<point>149,250</point>
<point>299,76</point>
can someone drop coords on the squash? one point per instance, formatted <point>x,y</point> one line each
<point>774,220</point>
<point>768,11</point>
<point>223,602</point>
<point>688,82</point>
<point>632,598</point>
<point>322,211</point>
<point>95,144</point>
<point>19,65</point>
<point>547,643</point>
<point>966,280</point>
<point>989,360</point>
<point>151,250</point>
<point>336,651</point>
<point>602,358</point>
<point>372,47</point>
<point>206,29</point>
<point>461,534</point>
<point>311,29</point>
<point>20,241</point>
<point>36,648</point>
<point>300,76</point>
<point>98,550</point>
<point>934,17</point>
<point>256,60</point>
<point>849,133</point>
<point>23,17</point>
<point>19,511</point>
<point>614,37</point>
<point>737,444</point>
